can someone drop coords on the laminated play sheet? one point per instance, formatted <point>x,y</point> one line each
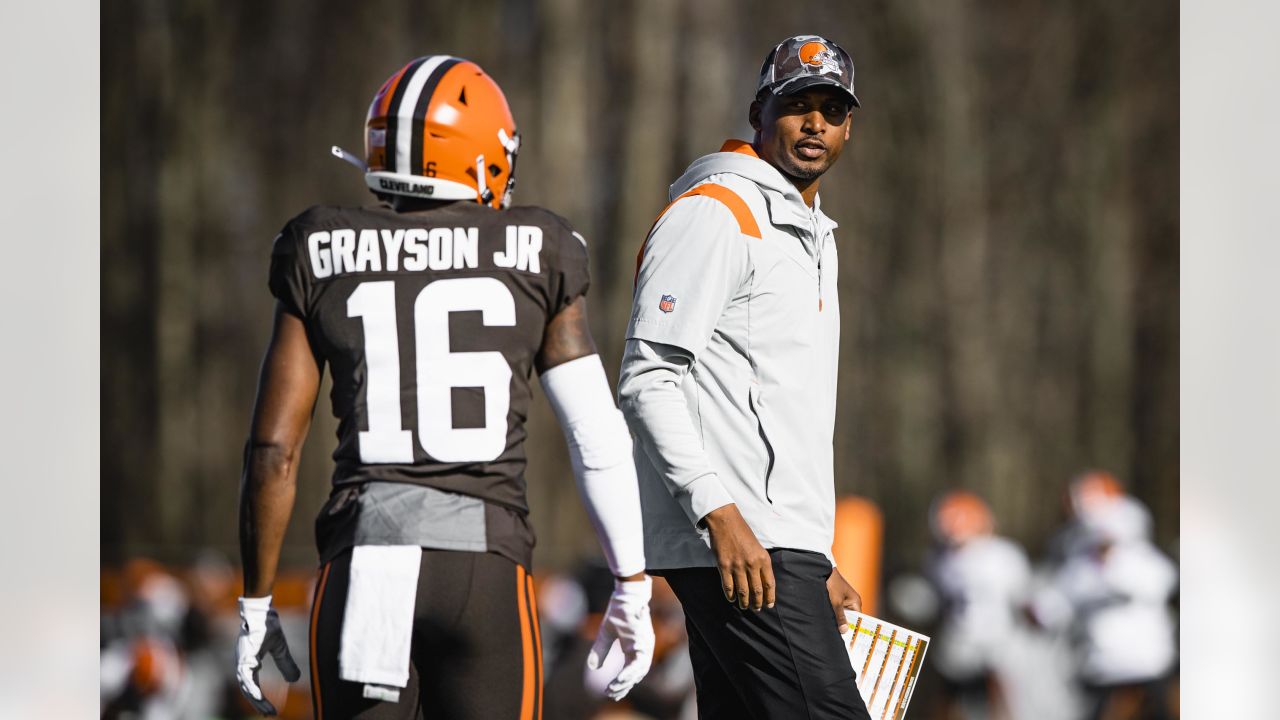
<point>887,660</point>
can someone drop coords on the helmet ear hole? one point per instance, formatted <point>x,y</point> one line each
<point>462,96</point>
<point>494,170</point>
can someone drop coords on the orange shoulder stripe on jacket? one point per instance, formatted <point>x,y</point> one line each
<point>747,224</point>
<point>739,146</point>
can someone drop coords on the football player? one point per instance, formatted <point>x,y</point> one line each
<point>431,310</point>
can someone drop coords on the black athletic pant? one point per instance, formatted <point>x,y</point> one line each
<point>783,663</point>
<point>476,651</point>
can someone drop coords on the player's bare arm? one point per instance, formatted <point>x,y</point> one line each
<point>287,387</point>
<point>568,337</point>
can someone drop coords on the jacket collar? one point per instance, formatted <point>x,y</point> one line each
<point>785,208</point>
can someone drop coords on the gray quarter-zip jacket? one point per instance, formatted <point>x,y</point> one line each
<point>728,379</point>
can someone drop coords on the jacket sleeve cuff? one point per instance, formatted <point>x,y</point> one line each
<point>703,495</point>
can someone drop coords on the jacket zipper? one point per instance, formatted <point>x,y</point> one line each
<point>819,243</point>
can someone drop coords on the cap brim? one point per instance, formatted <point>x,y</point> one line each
<point>804,83</point>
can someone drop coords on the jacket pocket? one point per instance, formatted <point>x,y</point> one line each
<point>753,399</point>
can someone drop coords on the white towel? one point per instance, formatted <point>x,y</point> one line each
<point>377,631</point>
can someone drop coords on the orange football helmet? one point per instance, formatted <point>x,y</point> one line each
<point>440,129</point>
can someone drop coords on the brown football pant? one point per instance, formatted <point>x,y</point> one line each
<point>476,649</point>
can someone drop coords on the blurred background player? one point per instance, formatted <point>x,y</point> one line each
<point>432,310</point>
<point>982,580</point>
<point>1087,491</point>
<point>1110,591</point>
<point>161,656</point>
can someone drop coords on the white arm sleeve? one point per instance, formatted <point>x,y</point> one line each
<point>600,450</point>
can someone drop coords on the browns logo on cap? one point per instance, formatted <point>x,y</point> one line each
<point>818,55</point>
<point>804,61</point>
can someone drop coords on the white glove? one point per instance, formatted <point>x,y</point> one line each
<point>260,634</point>
<point>626,622</point>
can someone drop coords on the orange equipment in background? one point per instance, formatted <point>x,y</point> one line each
<point>857,548</point>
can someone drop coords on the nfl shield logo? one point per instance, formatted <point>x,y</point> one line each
<point>667,303</point>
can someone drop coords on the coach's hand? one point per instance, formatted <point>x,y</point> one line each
<point>260,635</point>
<point>746,570</point>
<point>842,596</point>
<point>627,622</point>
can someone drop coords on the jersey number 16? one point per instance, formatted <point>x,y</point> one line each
<point>438,371</point>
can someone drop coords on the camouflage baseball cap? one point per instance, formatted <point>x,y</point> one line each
<point>804,61</point>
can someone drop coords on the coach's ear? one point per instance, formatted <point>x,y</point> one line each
<point>753,114</point>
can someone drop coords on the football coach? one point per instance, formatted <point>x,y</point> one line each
<point>728,382</point>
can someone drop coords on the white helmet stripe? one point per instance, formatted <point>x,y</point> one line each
<point>404,113</point>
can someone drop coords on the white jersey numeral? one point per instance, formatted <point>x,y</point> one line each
<point>385,441</point>
<point>438,371</point>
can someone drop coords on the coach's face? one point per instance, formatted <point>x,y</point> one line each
<point>802,134</point>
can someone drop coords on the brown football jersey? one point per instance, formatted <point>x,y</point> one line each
<point>429,323</point>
